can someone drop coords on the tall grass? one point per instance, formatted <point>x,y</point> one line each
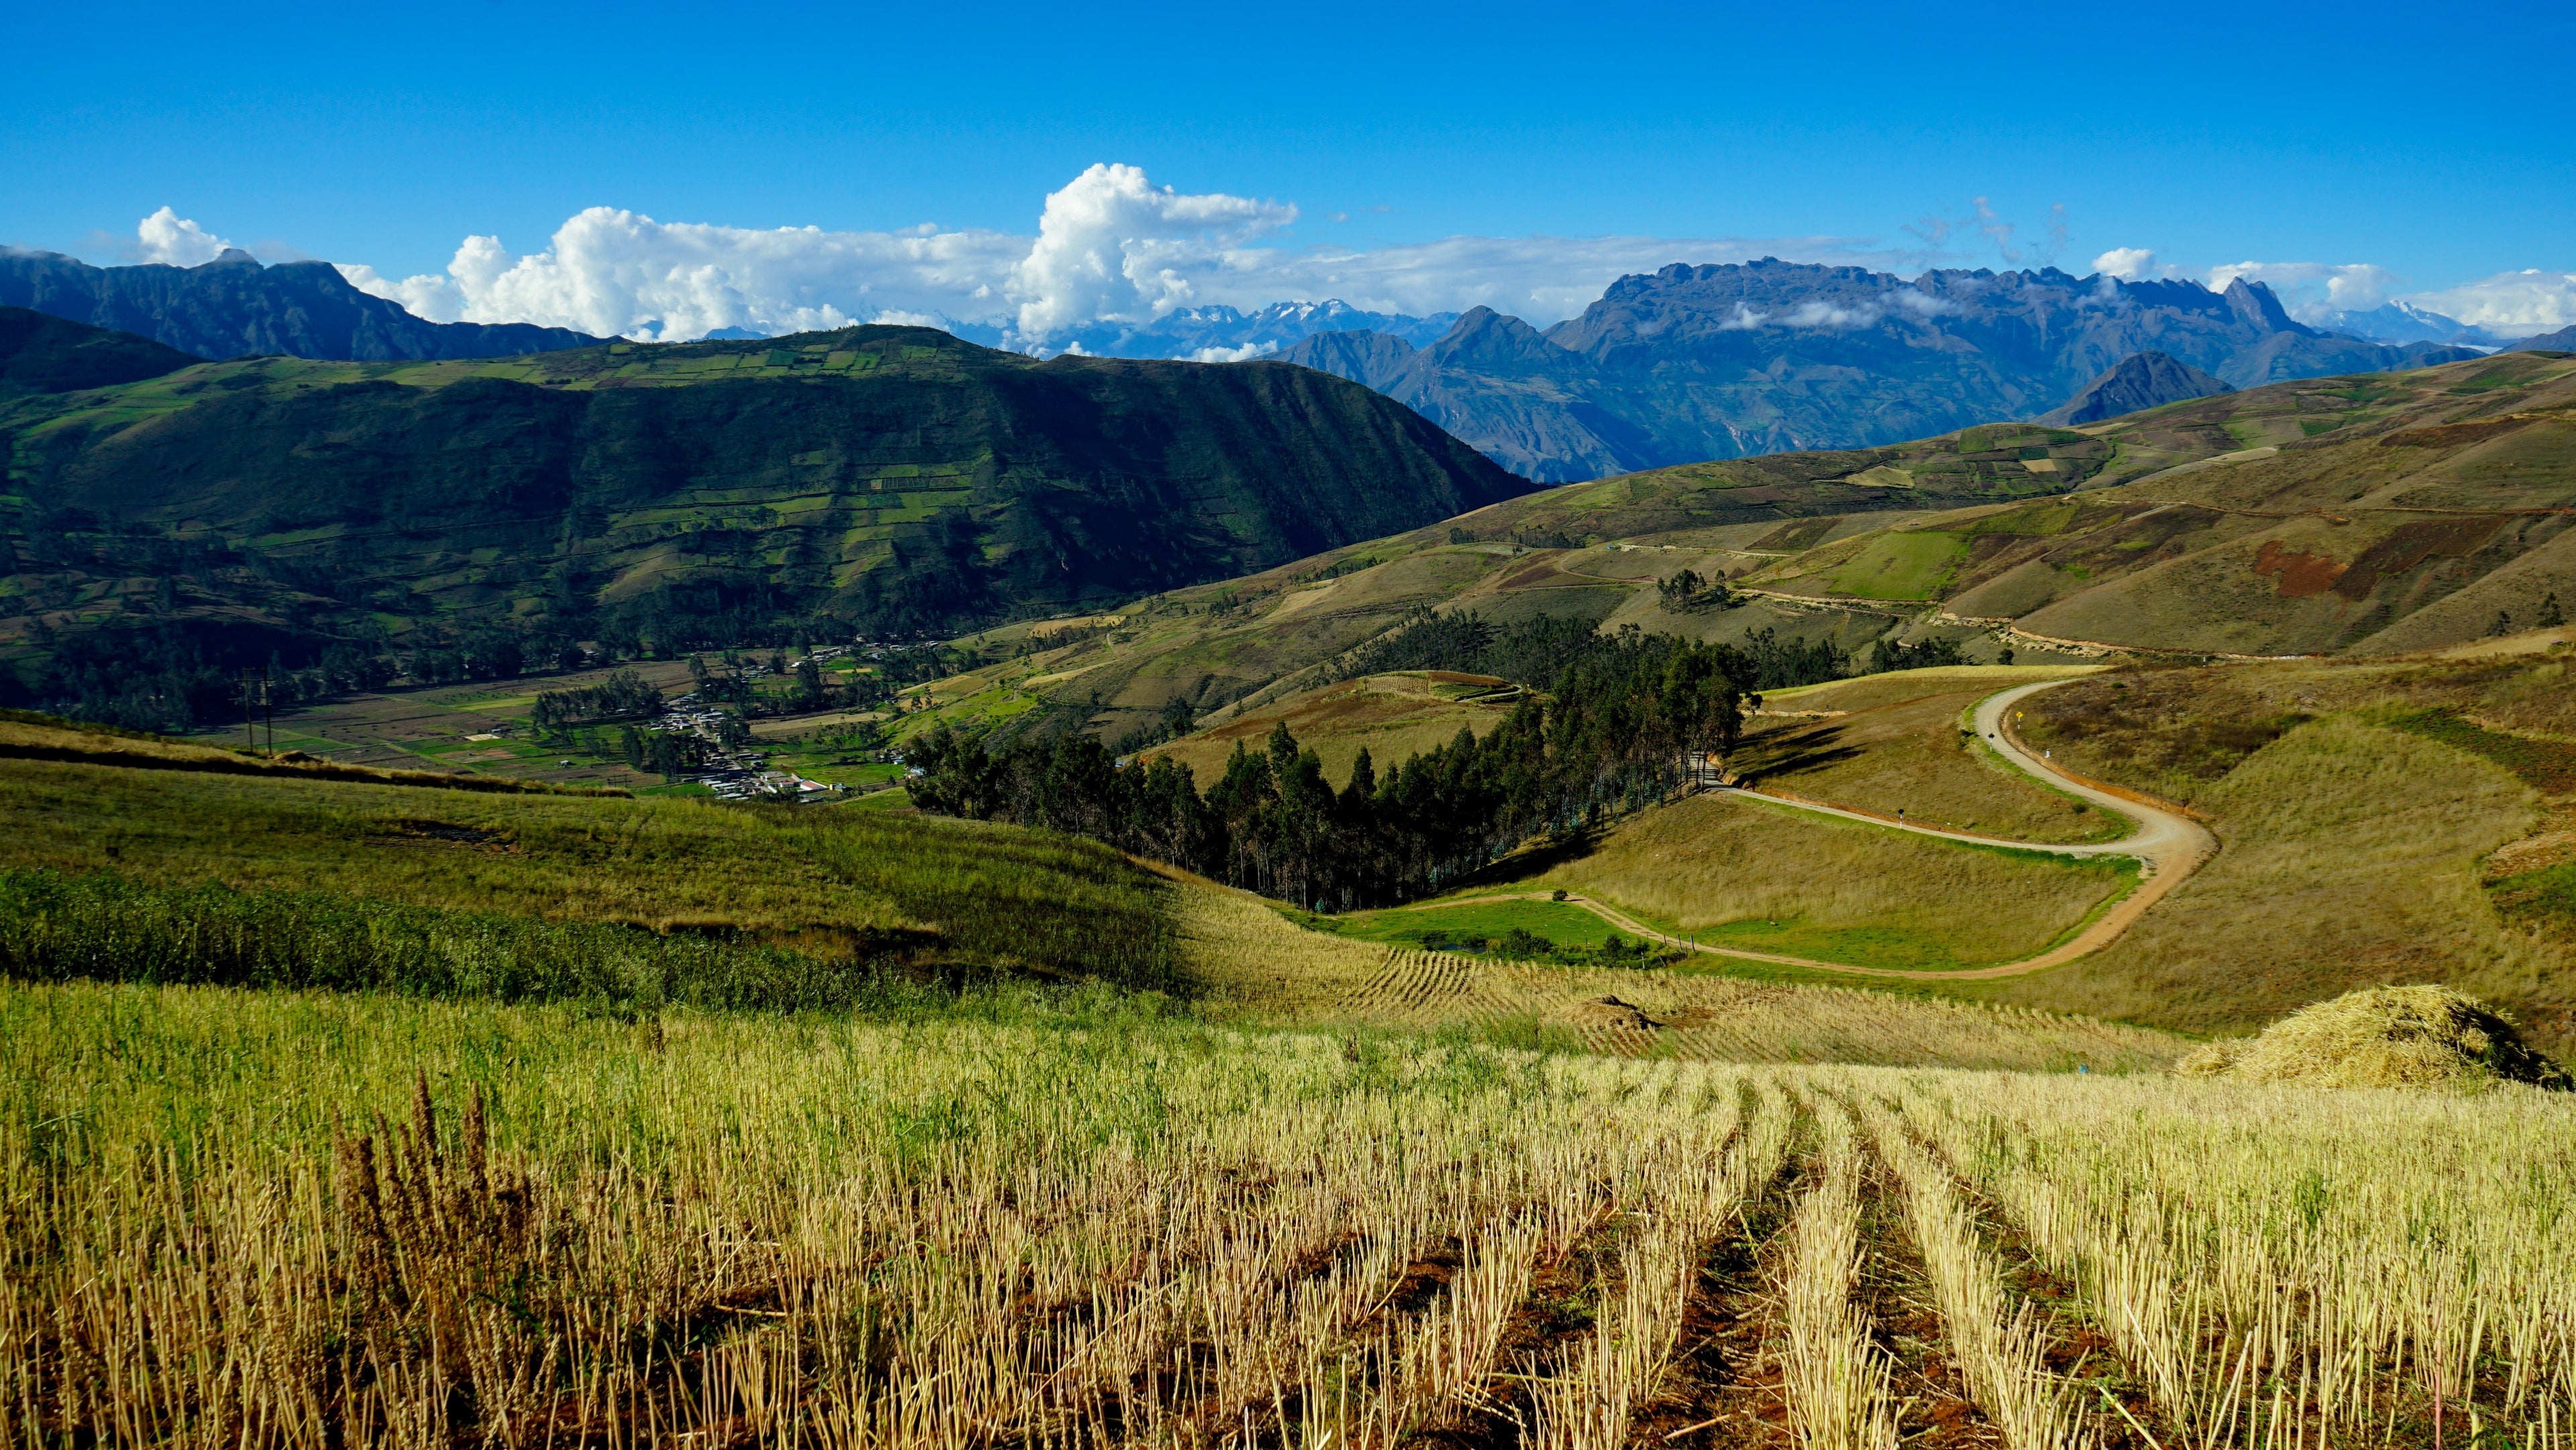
<point>282,1219</point>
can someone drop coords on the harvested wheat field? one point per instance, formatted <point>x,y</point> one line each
<point>289,1219</point>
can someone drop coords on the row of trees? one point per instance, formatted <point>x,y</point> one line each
<point>623,695</point>
<point>1610,735</point>
<point>1536,651</point>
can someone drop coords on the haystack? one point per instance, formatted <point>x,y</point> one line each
<point>2383,1037</point>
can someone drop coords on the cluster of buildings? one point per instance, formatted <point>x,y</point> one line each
<point>734,772</point>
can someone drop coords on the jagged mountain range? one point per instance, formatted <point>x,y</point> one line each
<point>2372,514</point>
<point>1219,333</point>
<point>1712,362</point>
<point>1683,365</point>
<point>2405,322</point>
<point>233,306</point>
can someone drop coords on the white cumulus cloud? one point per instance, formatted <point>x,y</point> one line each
<point>1113,247</point>
<point>2510,304</point>
<point>2126,263</point>
<point>169,237</point>
<point>1245,353</point>
<point>620,273</point>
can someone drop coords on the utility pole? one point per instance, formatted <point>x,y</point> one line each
<point>255,709</point>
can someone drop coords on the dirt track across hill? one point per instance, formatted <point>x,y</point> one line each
<point>2170,844</point>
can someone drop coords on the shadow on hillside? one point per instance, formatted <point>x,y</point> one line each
<point>1791,752</point>
<point>1533,860</point>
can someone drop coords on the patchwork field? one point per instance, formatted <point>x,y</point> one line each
<point>484,729</point>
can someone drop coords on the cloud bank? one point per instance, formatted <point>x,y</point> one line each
<point>612,272</point>
<point>2509,304</point>
<point>1110,246</point>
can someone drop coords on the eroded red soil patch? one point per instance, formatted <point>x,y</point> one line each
<point>2300,574</point>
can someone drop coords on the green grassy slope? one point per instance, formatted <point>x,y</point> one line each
<point>42,354</point>
<point>895,478</point>
<point>830,883</point>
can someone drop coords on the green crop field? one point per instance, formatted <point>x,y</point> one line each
<point>1910,565</point>
<point>1464,927</point>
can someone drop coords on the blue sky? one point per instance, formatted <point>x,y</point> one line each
<point>2404,140</point>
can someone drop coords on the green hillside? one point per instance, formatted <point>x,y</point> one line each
<point>41,354</point>
<point>2371,514</point>
<point>2367,515</point>
<point>110,846</point>
<point>880,479</point>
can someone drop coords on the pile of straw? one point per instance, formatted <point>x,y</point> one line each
<point>2383,1037</point>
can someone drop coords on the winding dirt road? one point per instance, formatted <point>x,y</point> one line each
<point>2169,844</point>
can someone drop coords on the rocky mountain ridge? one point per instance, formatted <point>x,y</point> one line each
<point>235,307</point>
<point>1712,362</point>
